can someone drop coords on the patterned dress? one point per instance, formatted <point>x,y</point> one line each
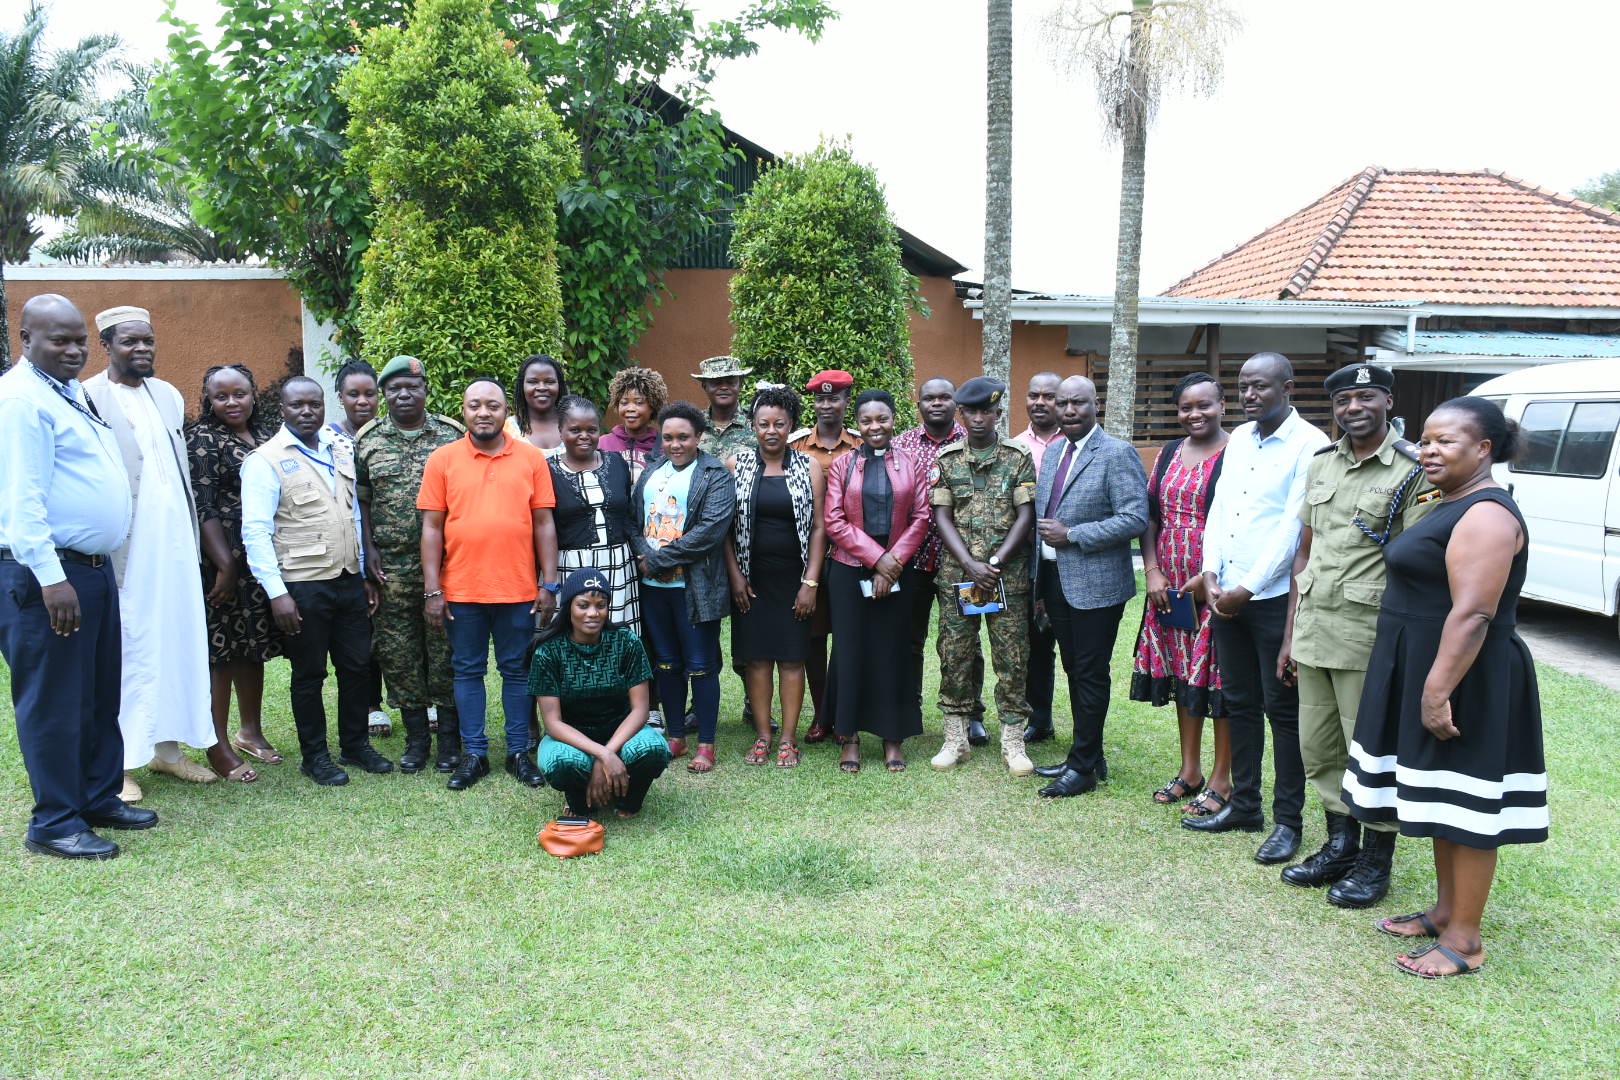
<point>243,630</point>
<point>1173,664</point>
<point>598,495</point>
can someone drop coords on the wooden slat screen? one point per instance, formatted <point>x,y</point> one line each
<point>1156,376</point>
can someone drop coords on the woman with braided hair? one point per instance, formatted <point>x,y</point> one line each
<point>241,634</point>
<point>773,558</point>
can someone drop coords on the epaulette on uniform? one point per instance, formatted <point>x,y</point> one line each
<point>1016,445</point>
<point>801,433</point>
<point>959,444</point>
<point>1328,449</point>
<point>452,421</point>
<point>367,426</point>
<point>1407,447</point>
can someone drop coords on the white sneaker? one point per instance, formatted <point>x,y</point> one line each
<point>380,719</point>
<point>655,719</point>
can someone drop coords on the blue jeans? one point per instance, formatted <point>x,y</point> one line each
<point>470,628</point>
<point>681,651</point>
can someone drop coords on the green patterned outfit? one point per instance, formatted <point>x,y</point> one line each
<point>724,442</point>
<point>592,686</point>
<point>984,489</point>
<point>388,466</point>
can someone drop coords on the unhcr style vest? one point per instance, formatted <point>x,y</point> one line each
<point>314,527</point>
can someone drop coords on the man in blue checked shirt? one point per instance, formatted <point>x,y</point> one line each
<point>64,509</point>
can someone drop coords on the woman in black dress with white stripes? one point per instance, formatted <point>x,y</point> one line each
<point>1448,735</point>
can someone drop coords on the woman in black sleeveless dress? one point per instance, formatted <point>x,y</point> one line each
<point>1448,735</point>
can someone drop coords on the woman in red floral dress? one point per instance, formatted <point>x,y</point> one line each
<point>1173,664</point>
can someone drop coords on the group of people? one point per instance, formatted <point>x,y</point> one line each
<point>1358,594</point>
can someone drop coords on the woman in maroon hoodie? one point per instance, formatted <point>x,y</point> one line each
<point>876,516</point>
<point>636,394</point>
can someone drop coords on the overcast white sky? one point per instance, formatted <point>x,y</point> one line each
<point>1315,91</point>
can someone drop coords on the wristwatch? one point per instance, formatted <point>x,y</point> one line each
<point>552,587</point>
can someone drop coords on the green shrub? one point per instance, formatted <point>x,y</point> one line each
<point>819,281</point>
<point>464,159</point>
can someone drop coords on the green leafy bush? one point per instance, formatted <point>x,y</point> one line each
<point>819,281</point>
<point>464,159</point>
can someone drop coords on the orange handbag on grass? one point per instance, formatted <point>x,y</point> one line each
<point>568,837</point>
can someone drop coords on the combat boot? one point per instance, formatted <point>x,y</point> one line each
<point>1368,880</point>
<point>418,743</point>
<point>449,740</point>
<point>1012,749</point>
<point>955,751</point>
<point>1335,858</point>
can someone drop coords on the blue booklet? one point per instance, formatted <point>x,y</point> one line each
<point>1183,615</point>
<point>972,600</point>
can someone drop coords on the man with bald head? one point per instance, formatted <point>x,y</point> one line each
<point>1250,537</point>
<point>301,531</point>
<point>1090,503</point>
<point>166,699</point>
<point>65,507</point>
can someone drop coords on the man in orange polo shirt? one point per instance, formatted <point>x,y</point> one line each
<point>489,570</point>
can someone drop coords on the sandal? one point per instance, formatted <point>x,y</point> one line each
<point>264,755</point>
<point>849,740</point>
<point>242,774</point>
<point>702,760</point>
<point>1200,806</point>
<point>896,764</point>
<point>787,756</point>
<point>1434,946</point>
<point>1422,917</point>
<point>677,748</point>
<point>1175,789</point>
<point>758,754</point>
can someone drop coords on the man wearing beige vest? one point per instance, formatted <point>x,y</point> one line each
<point>164,697</point>
<point>300,527</point>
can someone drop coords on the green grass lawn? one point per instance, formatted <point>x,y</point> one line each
<point>786,923</point>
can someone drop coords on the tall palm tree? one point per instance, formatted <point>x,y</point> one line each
<point>1135,53</point>
<point>132,204</point>
<point>997,313</point>
<point>45,104</point>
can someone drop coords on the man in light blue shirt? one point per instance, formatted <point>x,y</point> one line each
<point>1250,537</point>
<point>65,507</point>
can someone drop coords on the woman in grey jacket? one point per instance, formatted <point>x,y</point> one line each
<point>684,500</point>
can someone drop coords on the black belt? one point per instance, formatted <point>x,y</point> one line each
<point>65,554</point>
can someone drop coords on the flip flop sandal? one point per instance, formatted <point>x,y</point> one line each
<point>265,755</point>
<point>1435,946</point>
<point>1383,925</point>
<point>1169,793</point>
<point>896,764</point>
<point>759,753</point>
<point>1199,807</point>
<point>787,756</point>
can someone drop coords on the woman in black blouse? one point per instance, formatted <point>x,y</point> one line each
<point>592,514</point>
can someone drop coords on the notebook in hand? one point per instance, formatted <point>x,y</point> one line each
<point>1183,615</point>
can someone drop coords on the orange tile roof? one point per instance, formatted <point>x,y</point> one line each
<point>1429,235</point>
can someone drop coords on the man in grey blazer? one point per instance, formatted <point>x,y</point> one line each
<point>1091,498</point>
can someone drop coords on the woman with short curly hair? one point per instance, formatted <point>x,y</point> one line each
<point>638,395</point>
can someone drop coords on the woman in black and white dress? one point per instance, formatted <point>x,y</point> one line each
<point>1448,735</point>
<point>592,514</point>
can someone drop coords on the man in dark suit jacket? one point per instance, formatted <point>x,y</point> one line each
<point>1091,498</point>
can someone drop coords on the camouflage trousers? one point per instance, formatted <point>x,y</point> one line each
<point>961,671</point>
<point>415,659</point>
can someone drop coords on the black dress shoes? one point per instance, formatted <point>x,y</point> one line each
<point>1069,784</point>
<point>324,771</point>
<point>125,817</point>
<point>977,736</point>
<point>521,767</point>
<point>1038,733</point>
<point>85,845</point>
<point>467,773</point>
<point>1224,820</point>
<point>1051,772</point>
<point>1280,846</point>
<point>368,759</point>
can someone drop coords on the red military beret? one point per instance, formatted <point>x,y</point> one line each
<point>829,382</point>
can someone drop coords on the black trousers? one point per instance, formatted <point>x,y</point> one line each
<point>334,624</point>
<point>1085,638</point>
<point>65,692</point>
<point>1042,667</point>
<point>1247,646</point>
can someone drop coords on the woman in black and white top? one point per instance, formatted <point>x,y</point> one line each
<point>773,558</point>
<point>592,514</point>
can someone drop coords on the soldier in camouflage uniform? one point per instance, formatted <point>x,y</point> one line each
<point>1360,492</point>
<point>389,456</point>
<point>983,498</point>
<point>729,430</point>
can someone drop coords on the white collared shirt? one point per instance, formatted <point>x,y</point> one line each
<point>1048,552</point>
<point>1253,527</point>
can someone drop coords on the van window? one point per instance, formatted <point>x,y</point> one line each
<point>1568,438</point>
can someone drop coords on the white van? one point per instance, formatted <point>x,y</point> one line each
<point>1565,479</point>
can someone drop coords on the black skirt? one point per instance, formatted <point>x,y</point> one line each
<point>768,630</point>
<point>870,680</point>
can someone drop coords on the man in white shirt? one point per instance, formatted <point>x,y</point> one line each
<point>1250,538</point>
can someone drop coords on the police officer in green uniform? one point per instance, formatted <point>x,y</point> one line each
<point>1360,492</point>
<point>983,494</point>
<point>390,453</point>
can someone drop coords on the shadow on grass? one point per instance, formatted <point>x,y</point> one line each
<point>793,867</point>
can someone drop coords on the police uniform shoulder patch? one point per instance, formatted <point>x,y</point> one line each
<point>933,473</point>
<point>1406,447</point>
<point>1328,449</point>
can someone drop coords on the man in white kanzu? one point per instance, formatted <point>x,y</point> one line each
<point>164,691</point>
